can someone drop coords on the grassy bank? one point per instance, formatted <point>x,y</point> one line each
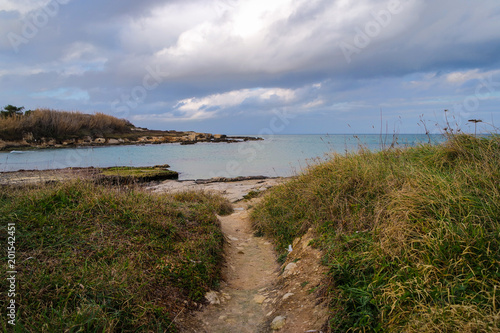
<point>45,123</point>
<point>92,258</point>
<point>411,237</point>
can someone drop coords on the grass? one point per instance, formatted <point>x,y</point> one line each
<point>60,125</point>
<point>127,175</point>
<point>411,236</point>
<point>93,258</point>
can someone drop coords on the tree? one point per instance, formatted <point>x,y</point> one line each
<point>11,110</point>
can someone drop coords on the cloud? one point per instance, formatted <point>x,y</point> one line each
<point>244,58</point>
<point>23,7</point>
<point>64,94</point>
<point>237,97</point>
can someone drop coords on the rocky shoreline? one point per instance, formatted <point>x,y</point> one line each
<point>138,136</point>
<point>159,178</point>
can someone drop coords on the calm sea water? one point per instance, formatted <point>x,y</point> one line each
<point>279,155</point>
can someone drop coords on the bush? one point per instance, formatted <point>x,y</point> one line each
<point>44,123</point>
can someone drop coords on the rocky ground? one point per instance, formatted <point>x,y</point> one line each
<point>31,177</point>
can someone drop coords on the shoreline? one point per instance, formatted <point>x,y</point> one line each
<point>191,139</point>
<point>234,189</point>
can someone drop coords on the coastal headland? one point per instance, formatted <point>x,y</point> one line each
<point>43,128</point>
<point>137,136</point>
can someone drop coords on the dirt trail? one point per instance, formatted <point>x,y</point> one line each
<point>258,295</point>
<point>250,271</point>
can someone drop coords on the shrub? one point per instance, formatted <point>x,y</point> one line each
<point>44,123</point>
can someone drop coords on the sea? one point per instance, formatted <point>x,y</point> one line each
<point>275,156</point>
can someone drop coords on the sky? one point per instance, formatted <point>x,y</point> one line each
<point>258,66</point>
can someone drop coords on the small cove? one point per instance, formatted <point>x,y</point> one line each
<point>276,156</point>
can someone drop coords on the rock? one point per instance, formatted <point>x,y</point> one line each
<point>287,296</point>
<point>259,299</point>
<point>113,141</point>
<point>68,142</point>
<point>278,323</point>
<point>100,140</point>
<point>289,269</point>
<point>212,297</point>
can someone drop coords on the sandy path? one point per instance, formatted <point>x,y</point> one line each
<point>233,191</point>
<point>250,270</point>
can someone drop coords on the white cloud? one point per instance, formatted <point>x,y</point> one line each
<point>314,104</point>
<point>255,36</point>
<point>23,6</point>
<point>257,100</point>
<point>462,77</point>
<point>237,97</point>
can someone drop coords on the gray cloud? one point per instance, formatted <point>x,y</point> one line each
<point>364,55</point>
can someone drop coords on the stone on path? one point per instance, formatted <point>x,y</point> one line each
<point>212,297</point>
<point>259,299</point>
<point>278,323</point>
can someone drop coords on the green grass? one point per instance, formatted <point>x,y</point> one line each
<point>411,236</point>
<point>137,174</point>
<point>92,258</point>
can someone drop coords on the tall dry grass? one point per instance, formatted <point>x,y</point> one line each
<point>45,123</point>
<point>411,236</point>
